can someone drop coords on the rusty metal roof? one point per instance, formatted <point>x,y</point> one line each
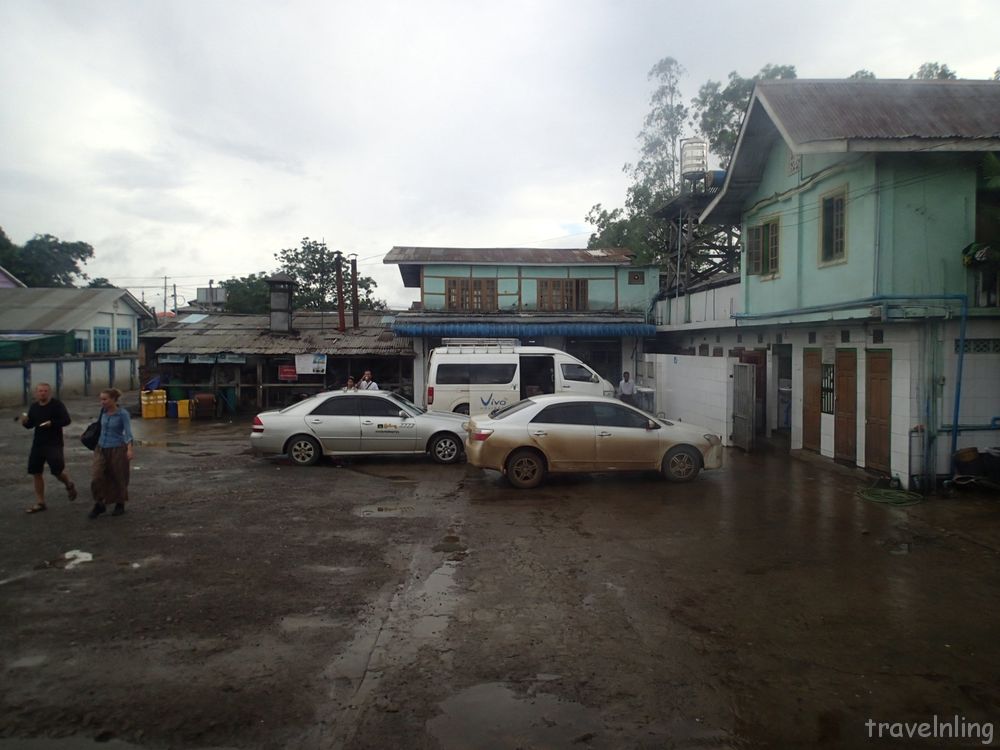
<point>316,333</point>
<point>410,259</point>
<point>840,116</point>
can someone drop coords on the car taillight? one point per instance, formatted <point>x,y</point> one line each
<point>430,395</point>
<point>258,426</point>
<point>480,434</point>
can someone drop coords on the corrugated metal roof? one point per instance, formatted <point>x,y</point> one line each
<point>586,325</point>
<point>250,334</point>
<point>840,116</point>
<point>822,115</point>
<point>510,256</point>
<point>59,309</point>
<point>411,259</point>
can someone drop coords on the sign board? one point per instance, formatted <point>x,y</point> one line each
<point>171,359</point>
<point>287,372</point>
<point>227,358</point>
<point>201,359</point>
<point>829,347</point>
<point>310,364</point>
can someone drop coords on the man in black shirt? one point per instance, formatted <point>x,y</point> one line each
<point>47,416</point>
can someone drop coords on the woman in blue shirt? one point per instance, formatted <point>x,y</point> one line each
<point>110,474</point>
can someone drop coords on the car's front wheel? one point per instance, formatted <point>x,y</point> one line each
<point>525,469</point>
<point>681,464</point>
<point>303,450</point>
<point>445,449</point>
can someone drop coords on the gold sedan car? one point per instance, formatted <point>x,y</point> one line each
<point>557,433</point>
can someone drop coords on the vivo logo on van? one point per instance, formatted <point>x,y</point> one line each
<point>489,401</point>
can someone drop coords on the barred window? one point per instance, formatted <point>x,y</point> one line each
<point>763,248</point>
<point>562,294</point>
<point>832,230</point>
<point>471,294</point>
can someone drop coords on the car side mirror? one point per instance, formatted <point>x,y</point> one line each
<point>651,425</point>
<point>403,414</point>
<point>595,379</point>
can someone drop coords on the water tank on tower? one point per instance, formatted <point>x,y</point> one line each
<point>694,158</point>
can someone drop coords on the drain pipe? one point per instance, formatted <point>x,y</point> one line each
<point>962,299</point>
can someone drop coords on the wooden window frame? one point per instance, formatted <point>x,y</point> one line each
<point>764,248</point>
<point>471,294</point>
<point>833,227</point>
<point>563,295</point>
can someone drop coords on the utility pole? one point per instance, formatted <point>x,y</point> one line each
<point>175,299</point>
<point>165,305</point>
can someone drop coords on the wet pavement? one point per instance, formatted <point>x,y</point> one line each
<point>380,602</point>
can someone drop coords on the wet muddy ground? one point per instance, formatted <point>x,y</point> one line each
<point>383,603</point>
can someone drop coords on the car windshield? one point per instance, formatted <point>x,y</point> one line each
<point>406,402</point>
<point>506,411</point>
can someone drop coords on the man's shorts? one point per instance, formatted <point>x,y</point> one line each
<point>46,454</point>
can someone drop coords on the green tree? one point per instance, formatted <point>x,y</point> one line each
<point>932,70</point>
<point>862,75</point>
<point>719,110</point>
<point>100,283</point>
<point>313,266</point>
<point>44,260</point>
<point>249,294</point>
<point>654,175</point>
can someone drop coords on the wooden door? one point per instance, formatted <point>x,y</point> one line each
<point>812,384</point>
<point>878,400</point>
<point>845,409</point>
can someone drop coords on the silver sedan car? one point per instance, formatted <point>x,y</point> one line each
<point>340,423</point>
<point>557,433</point>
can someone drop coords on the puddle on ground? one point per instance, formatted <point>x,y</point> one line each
<point>491,715</point>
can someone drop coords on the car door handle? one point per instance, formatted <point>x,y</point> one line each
<point>315,421</point>
<point>367,421</point>
<point>539,433</point>
<point>567,386</point>
<point>604,434</point>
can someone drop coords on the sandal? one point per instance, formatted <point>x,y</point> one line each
<point>71,491</point>
<point>36,508</point>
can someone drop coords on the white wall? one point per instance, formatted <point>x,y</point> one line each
<point>695,389</point>
<point>713,305</point>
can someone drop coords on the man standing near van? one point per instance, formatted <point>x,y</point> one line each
<point>366,383</point>
<point>626,390</point>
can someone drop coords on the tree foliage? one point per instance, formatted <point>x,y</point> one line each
<point>314,268</point>
<point>44,260</point>
<point>249,294</point>
<point>862,75</point>
<point>933,70</point>
<point>100,283</point>
<point>719,109</point>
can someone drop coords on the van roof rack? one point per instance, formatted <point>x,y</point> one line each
<point>479,345</point>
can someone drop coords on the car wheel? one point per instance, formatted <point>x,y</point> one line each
<point>682,464</point>
<point>462,409</point>
<point>445,449</point>
<point>303,450</point>
<point>525,469</point>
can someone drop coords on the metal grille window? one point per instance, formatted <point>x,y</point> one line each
<point>832,230</point>
<point>102,339</point>
<point>123,339</point>
<point>826,392</point>
<point>980,346</point>
<point>763,248</point>
<point>471,294</point>
<point>562,294</point>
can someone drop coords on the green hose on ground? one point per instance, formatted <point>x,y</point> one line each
<point>889,497</point>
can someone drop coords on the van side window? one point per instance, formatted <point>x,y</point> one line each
<point>485,374</point>
<point>565,414</point>
<point>576,372</point>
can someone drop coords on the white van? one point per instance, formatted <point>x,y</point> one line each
<point>476,376</point>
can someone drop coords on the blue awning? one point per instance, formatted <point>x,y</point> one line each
<point>519,330</point>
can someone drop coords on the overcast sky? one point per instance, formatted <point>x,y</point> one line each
<point>194,139</point>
